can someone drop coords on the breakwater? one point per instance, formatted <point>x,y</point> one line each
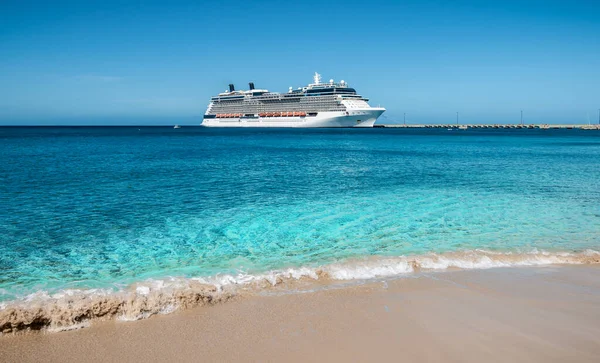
<point>493,126</point>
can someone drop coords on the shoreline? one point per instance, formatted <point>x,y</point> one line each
<point>547,313</point>
<point>76,308</point>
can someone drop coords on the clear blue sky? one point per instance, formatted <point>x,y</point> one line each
<point>141,62</point>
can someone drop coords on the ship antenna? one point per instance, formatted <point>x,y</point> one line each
<point>317,78</point>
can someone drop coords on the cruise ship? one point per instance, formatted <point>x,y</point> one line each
<point>319,104</point>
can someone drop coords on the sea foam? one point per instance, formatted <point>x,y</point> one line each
<point>72,308</point>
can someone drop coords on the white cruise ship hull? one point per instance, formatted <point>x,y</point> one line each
<point>351,118</point>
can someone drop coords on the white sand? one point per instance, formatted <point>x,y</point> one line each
<point>537,314</point>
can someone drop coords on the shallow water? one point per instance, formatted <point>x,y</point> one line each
<point>104,208</point>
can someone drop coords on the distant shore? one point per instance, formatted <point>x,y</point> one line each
<point>549,314</point>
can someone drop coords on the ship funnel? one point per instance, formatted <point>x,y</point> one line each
<point>251,85</point>
<point>231,87</point>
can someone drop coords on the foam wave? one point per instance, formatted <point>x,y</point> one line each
<point>477,259</point>
<point>72,309</point>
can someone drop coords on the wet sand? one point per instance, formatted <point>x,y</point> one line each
<point>536,314</point>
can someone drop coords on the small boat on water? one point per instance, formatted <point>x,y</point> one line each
<point>176,127</point>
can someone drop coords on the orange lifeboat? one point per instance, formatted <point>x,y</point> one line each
<point>262,114</point>
<point>269,114</point>
<point>302,114</point>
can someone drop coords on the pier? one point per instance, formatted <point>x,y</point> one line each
<point>492,126</point>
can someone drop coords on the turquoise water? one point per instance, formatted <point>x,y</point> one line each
<point>85,208</point>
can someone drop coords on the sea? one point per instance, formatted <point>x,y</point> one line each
<point>128,222</point>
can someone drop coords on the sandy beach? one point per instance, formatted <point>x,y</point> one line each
<point>539,314</point>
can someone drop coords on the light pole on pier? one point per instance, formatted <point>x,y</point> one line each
<point>405,119</point>
<point>457,118</point>
<point>521,117</point>
<point>599,116</point>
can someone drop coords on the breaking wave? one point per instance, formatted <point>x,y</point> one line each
<point>72,309</point>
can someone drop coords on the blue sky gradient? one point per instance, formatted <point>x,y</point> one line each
<point>110,62</point>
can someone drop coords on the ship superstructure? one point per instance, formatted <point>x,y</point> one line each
<point>319,104</point>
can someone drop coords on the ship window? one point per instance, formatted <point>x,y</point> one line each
<point>322,90</point>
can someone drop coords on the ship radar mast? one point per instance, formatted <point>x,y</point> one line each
<point>317,78</point>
